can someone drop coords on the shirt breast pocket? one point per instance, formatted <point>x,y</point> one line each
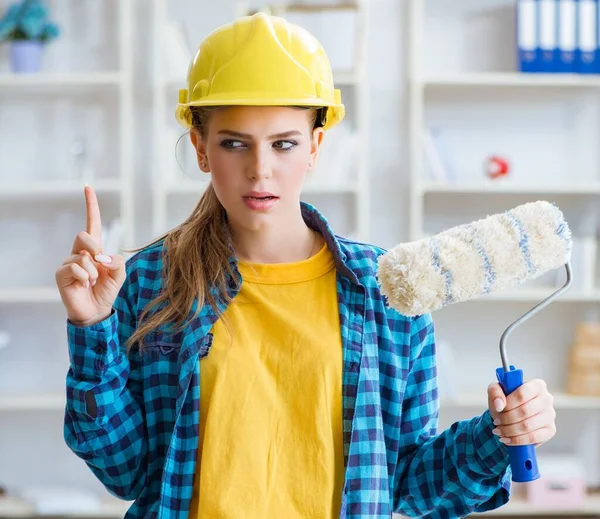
<point>163,343</point>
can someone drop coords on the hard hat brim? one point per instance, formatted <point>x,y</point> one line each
<point>335,112</point>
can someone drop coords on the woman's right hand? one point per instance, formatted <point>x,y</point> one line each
<point>88,280</point>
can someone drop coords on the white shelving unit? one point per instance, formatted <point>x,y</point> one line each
<point>42,208</point>
<point>116,190</point>
<point>452,75</point>
<point>175,192</point>
<point>433,85</point>
<point>455,67</point>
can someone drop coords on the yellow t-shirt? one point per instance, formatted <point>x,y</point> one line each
<point>271,440</point>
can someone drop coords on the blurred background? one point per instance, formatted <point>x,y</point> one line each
<point>456,109</point>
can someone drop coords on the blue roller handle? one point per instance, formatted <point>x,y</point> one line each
<point>523,460</point>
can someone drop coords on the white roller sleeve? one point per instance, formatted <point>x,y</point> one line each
<point>468,261</point>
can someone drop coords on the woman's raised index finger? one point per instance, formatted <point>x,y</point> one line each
<point>93,219</point>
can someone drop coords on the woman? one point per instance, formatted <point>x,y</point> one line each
<point>246,364</point>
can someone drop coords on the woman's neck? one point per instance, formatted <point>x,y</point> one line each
<point>277,244</point>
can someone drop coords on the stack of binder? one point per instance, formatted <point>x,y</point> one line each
<point>558,36</point>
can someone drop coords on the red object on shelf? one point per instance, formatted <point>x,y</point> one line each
<point>496,166</point>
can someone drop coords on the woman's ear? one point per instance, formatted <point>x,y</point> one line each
<point>200,148</point>
<point>315,144</point>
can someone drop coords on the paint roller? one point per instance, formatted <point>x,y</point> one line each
<point>468,261</point>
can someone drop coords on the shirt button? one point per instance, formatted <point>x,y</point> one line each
<point>99,349</point>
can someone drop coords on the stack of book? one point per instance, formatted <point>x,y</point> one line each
<point>558,36</point>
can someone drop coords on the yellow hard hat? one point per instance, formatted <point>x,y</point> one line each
<point>260,60</point>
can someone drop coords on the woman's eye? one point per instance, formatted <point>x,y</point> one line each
<point>231,144</point>
<point>284,145</point>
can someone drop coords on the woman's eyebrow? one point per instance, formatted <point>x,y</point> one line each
<point>283,135</point>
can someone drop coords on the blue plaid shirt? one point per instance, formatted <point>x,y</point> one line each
<point>142,441</point>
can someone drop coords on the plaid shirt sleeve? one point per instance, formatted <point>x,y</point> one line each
<point>112,441</point>
<point>464,469</point>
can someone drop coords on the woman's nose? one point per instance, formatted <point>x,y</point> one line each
<point>260,166</point>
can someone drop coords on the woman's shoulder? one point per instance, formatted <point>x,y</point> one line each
<point>146,263</point>
<point>148,256</point>
<point>362,259</point>
<point>144,278</point>
<point>359,253</point>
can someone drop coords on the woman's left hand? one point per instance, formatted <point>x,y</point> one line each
<point>524,417</point>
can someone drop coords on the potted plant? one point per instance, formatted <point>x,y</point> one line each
<point>25,25</point>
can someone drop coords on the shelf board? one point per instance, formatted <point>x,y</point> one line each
<point>111,508</point>
<point>30,295</point>
<point>60,79</point>
<point>535,295</point>
<point>592,188</point>
<point>561,401</point>
<point>333,188</point>
<point>591,507</point>
<point>57,189</point>
<point>314,7</point>
<point>340,77</point>
<point>11,507</point>
<point>185,187</point>
<point>196,187</point>
<point>32,402</point>
<point>510,79</point>
<point>108,510</point>
<point>519,507</point>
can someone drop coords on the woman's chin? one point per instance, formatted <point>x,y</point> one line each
<point>252,221</point>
